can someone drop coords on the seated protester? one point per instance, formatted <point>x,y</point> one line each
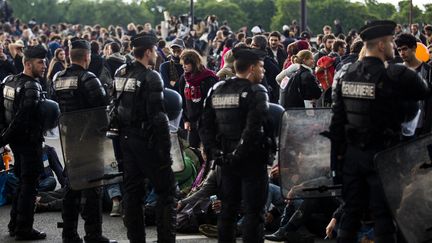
<point>114,195</point>
<point>314,214</point>
<point>51,201</point>
<point>201,198</point>
<point>302,88</point>
<point>47,182</point>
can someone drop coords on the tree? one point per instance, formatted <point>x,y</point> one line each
<point>402,16</point>
<point>380,10</point>
<point>258,12</point>
<point>228,11</point>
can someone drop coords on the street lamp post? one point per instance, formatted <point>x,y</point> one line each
<point>191,15</point>
<point>303,21</point>
<point>411,13</point>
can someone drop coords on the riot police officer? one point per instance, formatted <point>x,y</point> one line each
<point>75,89</point>
<point>21,97</point>
<point>233,135</point>
<point>144,140</point>
<point>369,105</point>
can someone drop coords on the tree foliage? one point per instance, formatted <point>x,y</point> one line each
<point>270,14</point>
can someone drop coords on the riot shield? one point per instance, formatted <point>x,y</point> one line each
<point>88,154</point>
<point>304,154</point>
<point>406,175</point>
<point>176,154</point>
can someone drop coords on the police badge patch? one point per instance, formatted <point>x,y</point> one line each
<point>66,83</point>
<point>9,93</point>
<point>227,101</point>
<point>358,90</point>
<point>125,84</point>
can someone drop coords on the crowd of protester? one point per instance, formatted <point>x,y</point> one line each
<point>299,70</point>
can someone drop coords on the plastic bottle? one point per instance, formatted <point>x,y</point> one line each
<point>213,199</point>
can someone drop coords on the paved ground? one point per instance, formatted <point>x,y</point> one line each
<point>112,227</point>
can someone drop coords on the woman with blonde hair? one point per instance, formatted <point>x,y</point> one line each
<point>57,64</point>
<point>194,85</point>
<point>302,88</point>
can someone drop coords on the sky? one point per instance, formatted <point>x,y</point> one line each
<point>419,3</point>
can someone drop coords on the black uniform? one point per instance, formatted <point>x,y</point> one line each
<point>77,89</point>
<point>369,105</point>
<point>21,96</point>
<point>22,127</point>
<point>145,144</point>
<point>232,125</point>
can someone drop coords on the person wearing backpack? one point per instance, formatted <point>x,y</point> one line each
<point>302,88</point>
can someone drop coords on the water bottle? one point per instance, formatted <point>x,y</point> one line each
<point>213,199</point>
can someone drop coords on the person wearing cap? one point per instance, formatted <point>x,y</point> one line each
<point>172,70</point>
<point>406,46</point>
<point>22,95</point>
<point>370,103</point>
<point>231,130</point>
<point>16,52</point>
<point>145,141</point>
<point>76,89</point>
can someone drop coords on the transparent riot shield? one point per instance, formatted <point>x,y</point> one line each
<point>304,154</point>
<point>406,175</point>
<point>88,154</point>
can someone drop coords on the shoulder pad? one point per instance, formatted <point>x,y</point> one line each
<point>394,70</point>
<point>87,75</point>
<point>154,81</point>
<point>121,70</point>
<point>59,74</point>
<point>217,85</point>
<point>339,74</point>
<point>8,79</point>
<point>32,85</point>
<point>258,88</point>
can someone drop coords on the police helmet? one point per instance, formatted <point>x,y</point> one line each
<point>49,112</point>
<point>173,103</point>
<point>275,114</point>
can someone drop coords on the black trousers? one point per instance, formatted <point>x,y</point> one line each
<point>141,161</point>
<point>362,191</point>
<point>244,184</point>
<point>88,202</point>
<point>27,168</point>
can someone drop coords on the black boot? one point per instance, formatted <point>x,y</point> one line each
<point>30,235</point>
<point>11,228</point>
<point>94,234</point>
<point>279,235</point>
<point>70,234</point>
<point>166,222</point>
<point>74,239</point>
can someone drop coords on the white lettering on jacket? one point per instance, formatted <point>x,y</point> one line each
<point>358,90</point>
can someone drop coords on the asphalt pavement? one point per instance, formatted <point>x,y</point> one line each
<point>113,228</point>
